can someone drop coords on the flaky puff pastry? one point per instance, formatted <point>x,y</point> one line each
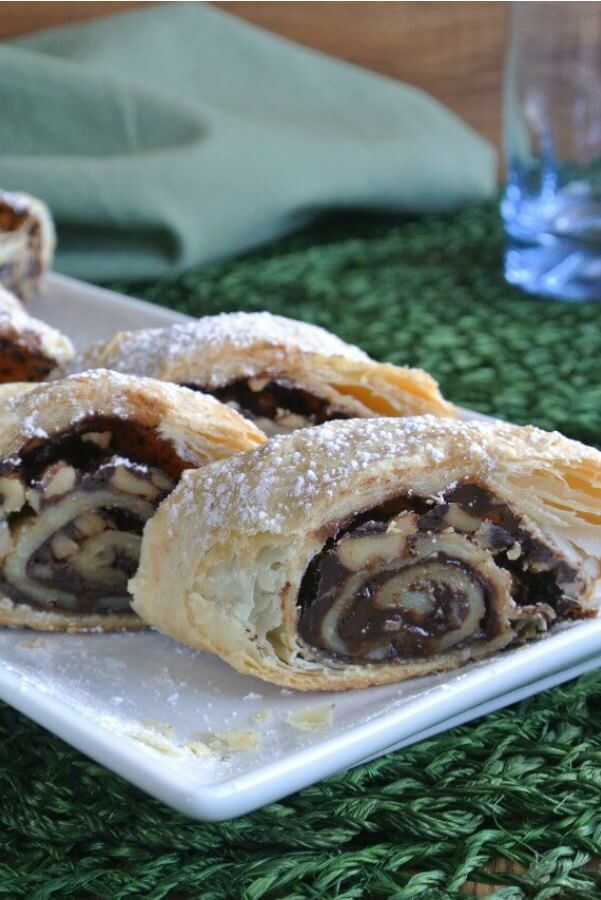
<point>29,349</point>
<point>280,372</point>
<point>83,464</point>
<point>370,551</point>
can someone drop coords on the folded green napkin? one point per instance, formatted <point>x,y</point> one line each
<point>175,134</point>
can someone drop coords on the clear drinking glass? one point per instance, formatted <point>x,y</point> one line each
<point>552,202</point>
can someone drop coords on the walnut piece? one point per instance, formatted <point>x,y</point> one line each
<point>63,546</point>
<point>12,494</point>
<point>57,480</point>
<point>126,481</point>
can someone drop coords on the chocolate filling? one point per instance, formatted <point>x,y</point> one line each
<point>129,438</point>
<point>416,634</point>
<point>538,572</point>
<point>75,505</point>
<point>22,358</point>
<point>278,401</point>
<point>415,577</point>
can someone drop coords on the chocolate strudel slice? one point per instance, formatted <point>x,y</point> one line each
<point>84,462</point>
<point>366,552</point>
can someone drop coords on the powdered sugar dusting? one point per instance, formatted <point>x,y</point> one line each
<point>31,408</point>
<point>316,464</point>
<point>153,350</point>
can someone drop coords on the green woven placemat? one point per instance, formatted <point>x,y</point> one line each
<point>522,785</point>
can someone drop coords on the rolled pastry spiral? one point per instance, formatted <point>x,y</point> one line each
<point>83,464</point>
<point>29,349</point>
<point>27,241</point>
<point>281,373</point>
<point>370,551</point>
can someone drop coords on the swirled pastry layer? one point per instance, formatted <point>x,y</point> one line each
<point>27,242</point>
<point>419,576</point>
<point>364,552</point>
<point>84,462</point>
<point>280,373</point>
<point>29,349</point>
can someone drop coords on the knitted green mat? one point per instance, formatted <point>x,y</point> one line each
<point>523,785</point>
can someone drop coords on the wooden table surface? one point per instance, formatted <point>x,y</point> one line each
<point>453,50</point>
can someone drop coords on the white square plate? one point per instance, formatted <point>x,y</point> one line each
<point>134,702</point>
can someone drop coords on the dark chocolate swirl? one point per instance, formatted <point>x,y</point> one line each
<point>419,577</point>
<point>72,510</point>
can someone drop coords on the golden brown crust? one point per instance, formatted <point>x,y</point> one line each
<point>188,428</point>
<point>218,350</point>
<point>19,615</point>
<point>230,546</point>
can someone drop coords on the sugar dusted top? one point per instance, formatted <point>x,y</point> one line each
<point>153,351</point>
<point>276,486</point>
<point>243,330</point>
<point>30,409</point>
<point>195,423</point>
